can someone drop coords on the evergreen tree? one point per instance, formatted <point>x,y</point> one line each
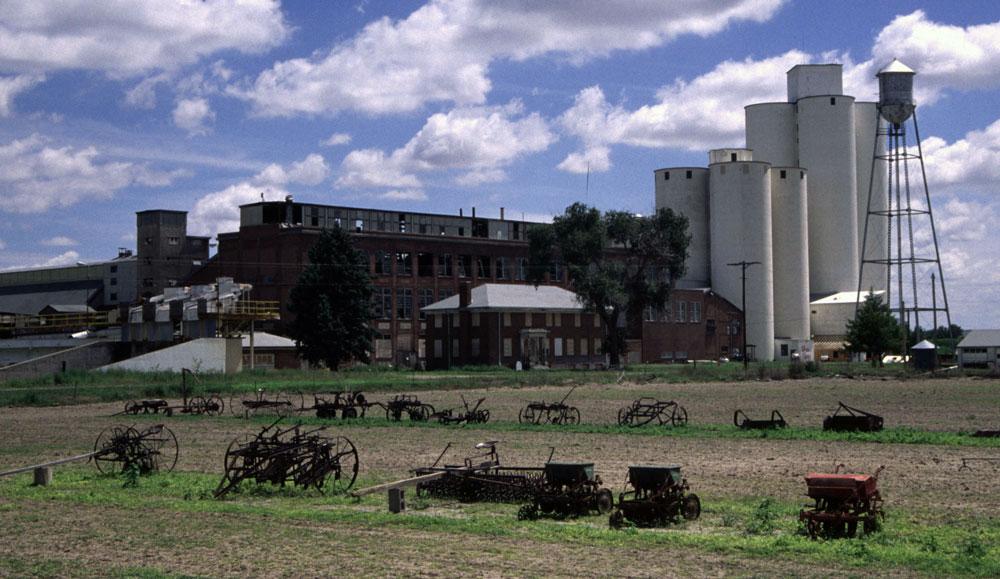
<point>332,303</point>
<point>618,263</point>
<point>874,330</point>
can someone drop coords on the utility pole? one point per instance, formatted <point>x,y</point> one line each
<point>743,265</point>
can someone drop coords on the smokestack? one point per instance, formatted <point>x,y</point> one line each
<point>460,210</point>
<point>473,212</point>
<point>464,295</point>
<point>501,214</point>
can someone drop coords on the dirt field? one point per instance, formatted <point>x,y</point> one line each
<point>921,482</point>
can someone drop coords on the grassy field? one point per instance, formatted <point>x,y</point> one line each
<point>942,520</point>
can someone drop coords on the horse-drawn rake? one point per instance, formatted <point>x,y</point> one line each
<point>847,419</point>
<point>281,455</point>
<point>658,496</point>
<point>263,403</point>
<point>121,449</point>
<point>465,415</point>
<point>744,422</point>
<point>567,489</point>
<point>550,413</point>
<point>409,405</point>
<point>211,405</point>
<point>348,404</point>
<point>842,502</point>
<point>480,477</point>
<point>643,411</point>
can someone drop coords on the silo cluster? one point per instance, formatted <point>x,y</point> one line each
<point>795,200</point>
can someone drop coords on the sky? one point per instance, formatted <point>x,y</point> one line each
<point>118,106</point>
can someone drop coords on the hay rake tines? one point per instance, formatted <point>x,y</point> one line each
<point>122,448</point>
<point>211,405</point>
<point>643,411</point>
<point>480,477</point>
<point>290,455</point>
<point>744,422</point>
<point>550,413</point>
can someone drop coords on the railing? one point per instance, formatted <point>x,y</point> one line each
<point>257,310</point>
<point>59,321</point>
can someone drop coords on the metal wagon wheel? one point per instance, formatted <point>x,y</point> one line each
<point>162,446</point>
<point>110,449</point>
<point>605,501</point>
<point>679,416</point>
<point>527,415</point>
<point>238,460</point>
<point>691,507</point>
<point>394,414</point>
<point>132,407</point>
<point>482,416</point>
<point>237,407</point>
<point>345,456</point>
<point>197,405</point>
<point>421,413</point>
<point>625,416</point>
<point>348,413</point>
<point>214,406</point>
<point>572,416</point>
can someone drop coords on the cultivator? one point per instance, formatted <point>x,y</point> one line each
<point>842,501</point>
<point>550,413</point>
<point>847,419</point>
<point>643,411</point>
<point>465,415</point>
<point>568,489</point>
<point>281,455</point>
<point>407,404</point>
<point>480,477</point>
<point>744,422</point>
<point>348,404</point>
<point>121,449</point>
<point>658,496</point>
<point>262,403</point>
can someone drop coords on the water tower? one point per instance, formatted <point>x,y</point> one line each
<point>913,274</point>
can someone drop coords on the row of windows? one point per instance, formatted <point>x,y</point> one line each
<point>560,347</point>
<point>667,313</point>
<point>551,320</point>
<point>383,303</point>
<point>464,266</point>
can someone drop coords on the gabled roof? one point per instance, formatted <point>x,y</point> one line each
<point>844,298</point>
<point>896,67</point>
<point>980,339</point>
<point>512,297</point>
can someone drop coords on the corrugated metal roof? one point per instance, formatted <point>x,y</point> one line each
<point>980,339</point>
<point>32,303</point>
<point>844,298</point>
<point>924,345</point>
<point>496,296</point>
<point>896,67</point>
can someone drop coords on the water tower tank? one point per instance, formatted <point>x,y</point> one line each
<point>895,92</point>
<point>685,191</point>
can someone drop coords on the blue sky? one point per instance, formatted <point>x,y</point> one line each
<point>114,107</point>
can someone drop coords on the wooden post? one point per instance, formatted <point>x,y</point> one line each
<point>43,476</point>
<point>397,500</point>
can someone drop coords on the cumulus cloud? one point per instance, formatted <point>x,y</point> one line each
<point>442,52</point>
<point>336,139</point>
<point>11,86</point>
<point>476,142</point>
<point>35,176</point>
<point>312,170</point>
<point>192,115</point>
<point>68,258</point>
<point>971,163</point>
<point>130,37</point>
<point>60,241</point>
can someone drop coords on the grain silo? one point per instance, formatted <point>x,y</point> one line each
<point>740,206</point>
<point>790,249</point>
<point>685,191</point>
<point>866,127</point>
<point>770,132</point>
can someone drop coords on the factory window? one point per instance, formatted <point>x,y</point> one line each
<point>732,157</point>
<point>508,348</point>
<point>454,347</point>
<point>404,304</point>
<point>576,320</point>
<point>833,100</point>
<point>688,174</point>
<point>383,303</point>
<point>359,225</point>
<point>517,231</point>
<point>502,272</point>
<point>556,271</point>
<point>437,348</point>
<point>461,232</point>
<point>464,265</point>
<point>681,312</point>
<point>383,264</point>
<point>444,294</point>
<point>425,264</point>
<point>423,229</point>
<point>441,229</point>
<point>695,312</point>
<point>784,174</point>
<point>402,223</point>
<point>666,176</point>
<point>114,281</point>
<point>439,320</point>
<point>557,346</point>
<point>444,265</point>
<point>475,319</point>
<point>404,265</point>
<point>784,350</point>
<point>474,348</point>
<point>114,269</point>
<point>521,273</point>
<point>570,347</point>
<point>802,174</point>
<point>483,266</point>
<point>425,297</point>
<point>583,346</point>
<point>597,346</point>
<point>667,313</point>
<point>173,241</point>
<point>649,314</point>
<point>710,327</point>
<point>506,319</point>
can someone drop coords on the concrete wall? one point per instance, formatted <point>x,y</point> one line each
<point>203,355</point>
<point>83,357</point>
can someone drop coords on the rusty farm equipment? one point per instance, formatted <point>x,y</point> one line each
<point>480,477</point>
<point>842,502</point>
<point>847,419</point>
<point>550,413</point>
<point>465,415</point>
<point>744,422</point>
<point>567,489</point>
<point>348,404</point>
<point>644,411</point>
<point>211,405</point>
<point>305,458</point>
<point>409,405</point>
<point>658,495</point>
<point>263,403</point>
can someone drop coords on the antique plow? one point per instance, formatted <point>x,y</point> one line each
<point>567,489</point>
<point>842,502</point>
<point>550,413</point>
<point>658,496</point>
<point>348,404</point>
<point>643,411</point>
<point>847,419</point>
<point>290,455</point>
<point>211,405</point>
<point>407,404</point>
<point>466,415</point>
<point>480,477</point>
<point>262,403</point>
<point>742,421</point>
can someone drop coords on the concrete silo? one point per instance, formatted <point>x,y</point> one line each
<point>827,150</point>
<point>685,191</point>
<point>740,205</point>
<point>790,249</point>
<point>866,125</point>
<point>770,132</point>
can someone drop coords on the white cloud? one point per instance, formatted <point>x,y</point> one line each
<point>11,86</point>
<point>312,170</point>
<point>35,177</point>
<point>60,241</point>
<point>477,141</point>
<point>192,115</point>
<point>3,245</point>
<point>129,37</point>
<point>68,258</point>
<point>143,94</point>
<point>442,51</point>
<point>596,158</point>
<point>336,139</point>
<point>403,195</point>
<point>219,212</point>
<point>971,163</point>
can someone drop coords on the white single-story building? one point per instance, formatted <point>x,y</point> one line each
<point>979,349</point>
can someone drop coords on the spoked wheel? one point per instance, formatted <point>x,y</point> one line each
<point>679,417</point>
<point>346,457</point>
<point>163,449</point>
<point>572,416</point>
<point>625,416</point>
<point>605,501</point>
<point>391,414</point>
<point>691,509</point>
<point>236,461</point>
<point>421,413</point>
<point>132,407</point>
<point>237,407</point>
<point>196,405</point>
<point>109,458</point>
<point>348,413</point>
<point>214,406</point>
<point>616,520</point>
<point>527,416</point>
<point>483,416</point>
